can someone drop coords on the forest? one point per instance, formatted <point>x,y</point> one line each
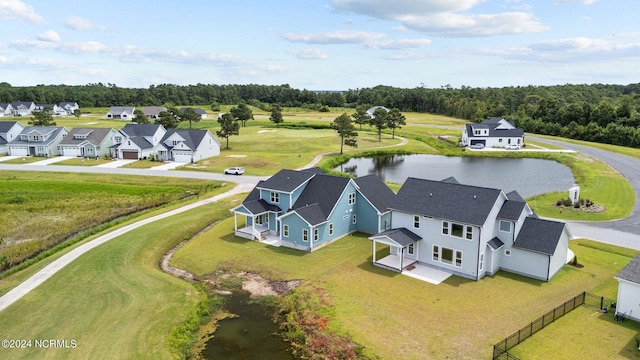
<point>596,112</point>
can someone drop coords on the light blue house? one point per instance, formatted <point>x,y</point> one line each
<point>307,209</point>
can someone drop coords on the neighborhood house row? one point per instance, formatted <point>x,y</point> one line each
<point>133,141</point>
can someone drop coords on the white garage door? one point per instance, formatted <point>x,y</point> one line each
<point>70,151</point>
<point>18,151</point>
<point>182,157</point>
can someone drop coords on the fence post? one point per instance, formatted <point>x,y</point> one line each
<point>584,297</point>
<point>601,302</point>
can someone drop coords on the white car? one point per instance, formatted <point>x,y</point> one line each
<point>513,147</point>
<point>478,146</point>
<point>234,171</point>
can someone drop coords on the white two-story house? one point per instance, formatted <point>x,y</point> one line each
<point>470,231</point>
<point>492,133</point>
<point>38,141</point>
<point>9,130</point>
<point>186,146</point>
<point>136,141</point>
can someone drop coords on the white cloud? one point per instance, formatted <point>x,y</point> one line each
<point>78,23</point>
<point>68,48</point>
<point>308,54</point>
<point>586,2</point>
<point>444,17</point>
<point>334,37</point>
<point>398,44</point>
<point>50,36</point>
<point>11,9</point>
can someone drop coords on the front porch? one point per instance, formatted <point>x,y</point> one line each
<point>260,233</point>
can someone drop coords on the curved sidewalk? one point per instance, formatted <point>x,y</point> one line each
<point>42,275</point>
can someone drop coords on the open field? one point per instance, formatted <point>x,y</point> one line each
<point>40,210</point>
<point>398,317</point>
<point>114,301</point>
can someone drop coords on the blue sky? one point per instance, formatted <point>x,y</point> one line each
<point>320,44</point>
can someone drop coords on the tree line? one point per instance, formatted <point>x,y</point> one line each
<point>596,112</point>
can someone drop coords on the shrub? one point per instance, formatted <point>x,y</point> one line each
<point>566,202</point>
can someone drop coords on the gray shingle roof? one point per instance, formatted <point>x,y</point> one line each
<point>286,180</point>
<point>445,200</point>
<point>312,214</point>
<point>402,236</point>
<point>631,272</point>
<point>539,235</point>
<point>5,126</point>
<point>95,137</point>
<point>52,131</point>
<point>511,210</point>
<point>133,130</point>
<point>376,191</point>
<point>153,110</point>
<point>192,138</point>
<point>323,190</point>
<point>197,110</point>
<point>495,243</point>
<point>260,206</point>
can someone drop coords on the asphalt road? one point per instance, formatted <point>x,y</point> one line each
<point>629,167</point>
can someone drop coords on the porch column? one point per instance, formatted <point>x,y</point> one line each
<point>401,257</point>
<point>374,251</point>
<point>235,221</point>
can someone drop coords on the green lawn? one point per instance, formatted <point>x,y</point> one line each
<point>401,318</point>
<point>114,301</point>
<point>25,160</point>
<point>83,162</point>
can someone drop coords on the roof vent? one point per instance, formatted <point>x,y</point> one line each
<point>430,194</point>
<point>474,196</point>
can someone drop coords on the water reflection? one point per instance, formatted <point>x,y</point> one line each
<point>529,177</point>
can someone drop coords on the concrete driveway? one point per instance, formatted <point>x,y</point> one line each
<point>170,165</point>
<point>52,160</point>
<point>116,163</point>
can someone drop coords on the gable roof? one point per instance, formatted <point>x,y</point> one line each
<point>52,131</point>
<point>539,235</point>
<point>286,180</point>
<point>631,272</point>
<point>376,192</point>
<point>495,243</point>
<point>95,136</point>
<point>446,200</point>
<point>5,126</point>
<point>192,138</point>
<point>133,130</point>
<point>402,236</point>
<point>121,109</point>
<point>323,191</point>
<point>511,210</point>
<point>153,110</point>
<point>197,110</point>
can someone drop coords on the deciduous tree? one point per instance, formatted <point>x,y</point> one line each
<point>394,120</point>
<point>190,115</point>
<point>43,117</point>
<point>242,113</point>
<point>379,120</point>
<point>140,117</point>
<point>170,119</point>
<point>347,132</point>
<point>228,127</point>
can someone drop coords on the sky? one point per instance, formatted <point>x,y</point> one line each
<point>320,44</point>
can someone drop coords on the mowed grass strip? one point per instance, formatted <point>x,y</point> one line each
<point>398,317</point>
<point>114,300</point>
<point>40,210</point>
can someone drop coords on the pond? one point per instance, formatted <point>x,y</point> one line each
<point>251,335</point>
<point>529,177</point>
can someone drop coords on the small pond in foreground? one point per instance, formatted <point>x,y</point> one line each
<point>529,177</point>
<point>250,335</point>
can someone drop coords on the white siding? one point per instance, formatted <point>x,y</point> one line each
<point>628,299</point>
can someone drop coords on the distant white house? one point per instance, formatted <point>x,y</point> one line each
<point>22,108</point>
<point>492,133</point>
<point>628,303</point>
<point>187,146</point>
<point>121,113</point>
<point>38,141</point>
<point>373,109</point>
<point>5,109</point>
<point>68,107</point>
<point>153,112</point>
<point>202,113</point>
<point>9,130</point>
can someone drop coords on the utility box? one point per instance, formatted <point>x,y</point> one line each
<point>574,194</point>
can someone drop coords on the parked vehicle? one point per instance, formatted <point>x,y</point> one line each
<point>478,146</point>
<point>234,171</point>
<point>513,147</point>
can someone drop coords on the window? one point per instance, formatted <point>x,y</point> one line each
<point>260,219</point>
<point>330,229</point>
<point>436,253</point>
<point>469,233</point>
<point>315,234</point>
<point>507,252</point>
<point>445,228</point>
<point>352,198</point>
<point>275,197</point>
<point>456,230</point>
<point>505,226</point>
<point>305,235</point>
<point>285,230</point>
<point>355,218</point>
<point>508,141</point>
<point>410,250</point>
<point>499,140</point>
<point>481,261</point>
<point>447,256</point>
<point>386,224</point>
<point>416,221</point>
<point>458,258</point>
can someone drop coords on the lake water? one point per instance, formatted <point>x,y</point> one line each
<point>251,335</point>
<point>529,177</point>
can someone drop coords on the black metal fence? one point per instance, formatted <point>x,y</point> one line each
<point>500,350</point>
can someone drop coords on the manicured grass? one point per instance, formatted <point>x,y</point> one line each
<point>25,160</point>
<point>142,164</point>
<point>114,300</point>
<point>401,318</point>
<point>40,210</point>
<point>83,162</point>
<point>599,183</point>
